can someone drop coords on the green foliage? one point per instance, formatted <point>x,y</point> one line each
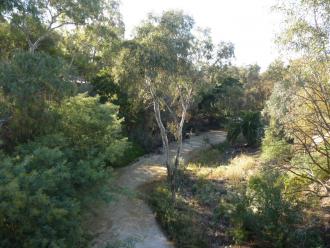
<point>45,183</point>
<point>298,113</point>
<point>105,86</point>
<point>10,40</point>
<point>261,212</point>
<point>37,204</point>
<point>249,125</point>
<point>206,192</point>
<point>177,220</point>
<point>306,27</point>
<point>139,124</point>
<point>93,127</point>
<point>274,148</point>
<point>37,77</point>
<point>37,18</point>
<point>234,129</point>
<point>222,100</point>
<point>104,36</point>
<point>131,153</point>
<point>29,83</point>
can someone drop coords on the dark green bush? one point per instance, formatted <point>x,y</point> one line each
<point>132,152</point>
<point>29,84</point>
<point>140,125</point>
<point>249,124</point>
<point>252,127</point>
<point>42,190</point>
<point>234,129</point>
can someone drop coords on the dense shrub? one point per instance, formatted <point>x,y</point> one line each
<point>93,128</point>
<point>29,83</point>
<point>234,129</point>
<point>218,102</point>
<point>177,219</point>
<point>38,207</point>
<point>140,125</point>
<point>262,213</point>
<point>249,124</point>
<point>45,183</point>
<point>131,153</point>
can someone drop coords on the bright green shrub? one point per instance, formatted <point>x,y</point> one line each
<point>87,170</point>
<point>93,128</point>
<point>43,188</point>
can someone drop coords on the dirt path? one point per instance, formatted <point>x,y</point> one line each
<point>130,218</point>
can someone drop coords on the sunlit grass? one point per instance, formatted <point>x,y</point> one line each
<point>204,181</point>
<point>241,167</point>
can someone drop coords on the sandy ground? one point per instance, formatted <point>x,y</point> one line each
<point>130,218</point>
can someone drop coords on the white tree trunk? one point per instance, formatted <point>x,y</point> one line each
<point>172,168</point>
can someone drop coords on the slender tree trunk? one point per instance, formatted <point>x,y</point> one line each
<point>162,129</point>
<point>178,153</point>
<point>163,136</point>
<point>172,171</point>
<point>33,46</point>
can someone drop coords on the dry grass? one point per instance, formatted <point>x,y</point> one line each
<point>239,168</point>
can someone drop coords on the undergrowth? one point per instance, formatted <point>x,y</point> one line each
<point>227,197</point>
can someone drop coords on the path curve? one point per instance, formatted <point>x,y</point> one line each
<point>130,218</point>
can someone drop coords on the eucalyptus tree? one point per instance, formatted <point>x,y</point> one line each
<point>299,104</point>
<point>92,48</point>
<point>306,27</point>
<point>168,59</point>
<point>37,19</point>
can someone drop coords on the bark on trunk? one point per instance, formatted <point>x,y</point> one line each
<point>162,129</point>
<point>171,170</point>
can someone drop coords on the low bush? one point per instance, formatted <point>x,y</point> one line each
<point>237,169</point>
<point>261,213</point>
<point>179,220</point>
